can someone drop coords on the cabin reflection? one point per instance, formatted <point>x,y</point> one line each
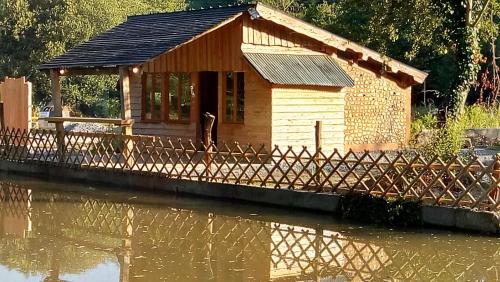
<point>171,244</point>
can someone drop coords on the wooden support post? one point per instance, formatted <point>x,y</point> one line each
<point>2,116</point>
<point>495,191</point>
<point>126,114</point>
<point>126,109</point>
<point>208,124</point>
<point>57,102</point>
<point>319,144</point>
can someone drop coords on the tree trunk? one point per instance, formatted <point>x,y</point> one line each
<point>468,53</point>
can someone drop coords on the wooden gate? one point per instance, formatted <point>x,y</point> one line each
<point>15,93</point>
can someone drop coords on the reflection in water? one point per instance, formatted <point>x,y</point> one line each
<point>59,236</point>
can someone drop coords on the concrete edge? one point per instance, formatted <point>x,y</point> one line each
<point>447,217</point>
<point>461,218</point>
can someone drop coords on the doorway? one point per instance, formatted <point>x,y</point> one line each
<point>208,88</point>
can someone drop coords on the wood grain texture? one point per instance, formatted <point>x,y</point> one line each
<point>295,112</point>
<point>16,96</point>
<point>219,50</point>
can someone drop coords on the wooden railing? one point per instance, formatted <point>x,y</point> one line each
<point>404,175</point>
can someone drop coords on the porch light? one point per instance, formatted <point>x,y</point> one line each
<point>135,70</point>
<point>62,71</point>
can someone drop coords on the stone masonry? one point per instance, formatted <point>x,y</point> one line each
<point>376,111</point>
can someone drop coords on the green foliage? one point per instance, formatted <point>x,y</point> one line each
<point>405,213</point>
<point>424,120</point>
<point>370,209</point>
<point>477,116</point>
<point>447,140</point>
<point>34,31</point>
<point>364,208</point>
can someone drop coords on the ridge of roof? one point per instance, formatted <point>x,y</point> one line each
<point>249,5</point>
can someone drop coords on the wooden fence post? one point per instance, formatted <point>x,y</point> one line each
<point>495,190</point>
<point>209,120</point>
<point>319,144</point>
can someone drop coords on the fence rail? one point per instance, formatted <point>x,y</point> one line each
<point>405,175</point>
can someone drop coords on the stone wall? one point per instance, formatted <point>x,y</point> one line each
<point>377,111</point>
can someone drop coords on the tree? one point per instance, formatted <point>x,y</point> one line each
<point>441,36</point>
<point>34,31</point>
<point>464,21</point>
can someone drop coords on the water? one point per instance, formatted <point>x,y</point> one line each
<point>62,232</point>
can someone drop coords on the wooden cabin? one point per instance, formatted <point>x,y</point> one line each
<point>266,76</point>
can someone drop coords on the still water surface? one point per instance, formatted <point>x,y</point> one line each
<point>63,232</point>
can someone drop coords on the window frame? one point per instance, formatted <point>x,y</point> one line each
<point>179,100</point>
<point>234,119</point>
<point>143,98</point>
<point>165,98</point>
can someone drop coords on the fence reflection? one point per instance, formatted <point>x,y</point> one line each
<point>158,243</point>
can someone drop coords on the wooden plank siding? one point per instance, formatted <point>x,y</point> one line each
<point>256,128</point>
<point>219,50</point>
<point>15,93</point>
<point>262,32</point>
<point>295,112</point>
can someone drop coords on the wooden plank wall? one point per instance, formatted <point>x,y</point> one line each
<point>296,110</point>
<point>219,50</point>
<point>15,93</point>
<point>262,32</point>
<point>257,126</point>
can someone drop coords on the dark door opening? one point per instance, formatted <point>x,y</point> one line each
<point>208,88</point>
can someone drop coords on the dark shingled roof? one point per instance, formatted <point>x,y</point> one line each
<point>143,37</point>
<point>287,69</point>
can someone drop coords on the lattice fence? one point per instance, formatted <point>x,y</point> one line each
<point>397,175</point>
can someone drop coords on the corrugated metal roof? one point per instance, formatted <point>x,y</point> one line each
<point>287,69</point>
<point>143,37</point>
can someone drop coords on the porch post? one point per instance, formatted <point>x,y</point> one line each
<point>57,102</point>
<point>126,115</point>
<point>126,110</point>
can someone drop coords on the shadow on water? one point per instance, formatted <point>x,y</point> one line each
<point>58,232</point>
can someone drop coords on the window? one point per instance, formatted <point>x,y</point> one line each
<point>166,99</point>
<point>179,97</point>
<point>152,97</point>
<point>234,102</point>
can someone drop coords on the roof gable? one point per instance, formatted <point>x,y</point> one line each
<point>143,37</point>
